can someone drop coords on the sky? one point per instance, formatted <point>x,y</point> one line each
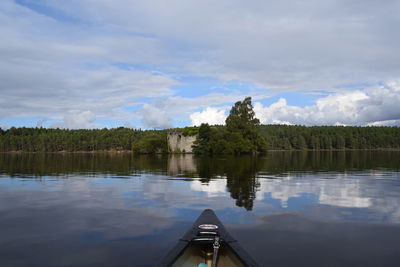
<point>160,64</point>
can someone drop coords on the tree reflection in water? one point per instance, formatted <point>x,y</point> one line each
<point>242,173</point>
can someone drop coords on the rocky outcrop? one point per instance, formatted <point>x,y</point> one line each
<point>178,143</point>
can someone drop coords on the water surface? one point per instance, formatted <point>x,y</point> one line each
<point>285,208</point>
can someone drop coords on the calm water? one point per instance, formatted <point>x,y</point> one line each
<point>286,209</point>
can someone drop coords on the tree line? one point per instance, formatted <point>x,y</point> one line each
<point>55,140</point>
<point>211,139</point>
<point>242,134</point>
<point>285,137</point>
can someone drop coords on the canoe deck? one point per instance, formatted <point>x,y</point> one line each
<point>195,254</point>
<point>196,246</point>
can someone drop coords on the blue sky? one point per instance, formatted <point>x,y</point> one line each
<point>158,64</point>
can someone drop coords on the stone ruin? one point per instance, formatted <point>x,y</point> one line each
<point>178,143</point>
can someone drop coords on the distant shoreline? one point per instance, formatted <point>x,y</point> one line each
<point>124,140</point>
<point>187,153</point>
<point>69,152</point>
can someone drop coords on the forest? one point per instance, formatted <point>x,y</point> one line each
<point>284,137</point>
<point>242,134</point>
<point>56,140</point>
<point>277,137</point>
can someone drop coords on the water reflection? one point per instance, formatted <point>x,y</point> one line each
<point>321,208</point>
<point>282,176</point>
<point>274,163</point>
<point>348,194</point>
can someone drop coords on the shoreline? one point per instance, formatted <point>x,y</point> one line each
<point>183,153</point>
<point>69,152</point>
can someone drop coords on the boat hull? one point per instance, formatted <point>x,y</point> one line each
<point>196,245</point>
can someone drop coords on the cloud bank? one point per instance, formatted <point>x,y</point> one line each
<point>212,116</point>
<point>117,59</point>
<point>374,106</point>
<point>154,117</point>
<point>77,120</point>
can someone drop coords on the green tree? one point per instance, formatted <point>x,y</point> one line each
<point>340,142</point>
<point>154,143</point>
<point>242,118</point>
<point>286,144</point>
<point>202,144</point>
<point>241,126</point>
<point>301,142</point>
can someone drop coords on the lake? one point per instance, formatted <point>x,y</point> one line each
<point>286,208</point>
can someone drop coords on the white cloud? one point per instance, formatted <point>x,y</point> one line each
<point>58,59</point>
<point>77,120</point>
<point>53,93</point>
<point>53,69</point>
<point>213,188</point>
<point>385,123</point>
<point>372,106</point>
<point>315,44</point>
<point>212,116</point>
<point>153,117</point>
<point>180,108</point>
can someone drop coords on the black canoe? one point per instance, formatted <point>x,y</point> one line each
<point>207,243</point>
